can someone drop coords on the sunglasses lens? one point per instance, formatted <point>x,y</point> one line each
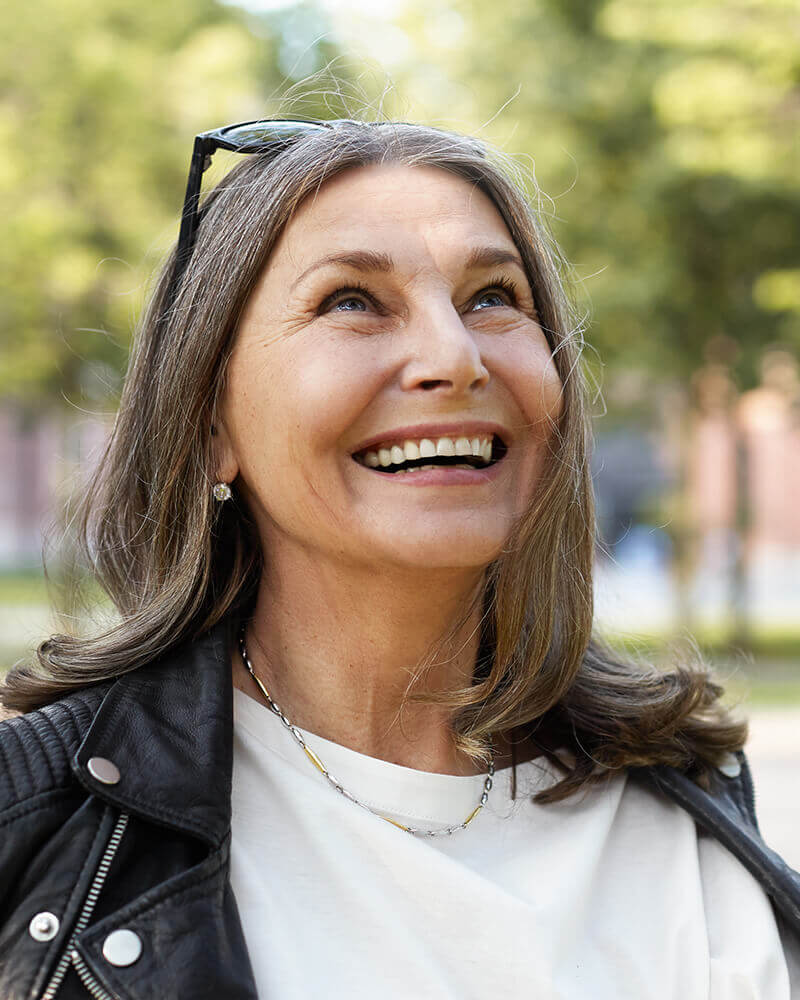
<point>266,133</point>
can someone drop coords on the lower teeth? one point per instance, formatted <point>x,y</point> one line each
<point>422,468</point>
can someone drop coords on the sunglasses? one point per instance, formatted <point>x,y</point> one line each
<point>273,134</point>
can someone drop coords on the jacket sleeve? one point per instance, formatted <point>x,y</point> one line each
<point>37,790</point>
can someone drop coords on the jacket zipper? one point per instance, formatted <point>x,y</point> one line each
<point>70,954</point>
<point>96,989</point>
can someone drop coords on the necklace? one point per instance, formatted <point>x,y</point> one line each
<point>321,767</point>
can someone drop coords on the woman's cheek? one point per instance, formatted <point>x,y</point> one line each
<point>552,393</point>
<point>525,364</point>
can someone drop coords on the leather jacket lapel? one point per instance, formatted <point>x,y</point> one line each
<point>192,942</point>
<point>168,728</point>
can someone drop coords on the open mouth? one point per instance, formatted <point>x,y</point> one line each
<point>498,452</point>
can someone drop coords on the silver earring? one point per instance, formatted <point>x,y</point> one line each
<point>222,492</point>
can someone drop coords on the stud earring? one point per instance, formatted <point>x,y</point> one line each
<point>222,492</point>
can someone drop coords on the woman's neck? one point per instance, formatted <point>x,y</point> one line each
<point>337,655</point>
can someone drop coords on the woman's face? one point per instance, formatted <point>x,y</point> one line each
<point>393,311</point>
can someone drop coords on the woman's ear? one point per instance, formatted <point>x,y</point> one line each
<point>226,465</point>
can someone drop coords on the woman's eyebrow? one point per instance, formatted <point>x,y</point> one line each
<point>361,260</point>
<point>371,260</point>
<point>492,257</point>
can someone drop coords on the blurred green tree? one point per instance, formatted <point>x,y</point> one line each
<point>98,107</point>
<point>666,132</point>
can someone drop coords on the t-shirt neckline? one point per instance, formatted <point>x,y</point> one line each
<point>388,788</point>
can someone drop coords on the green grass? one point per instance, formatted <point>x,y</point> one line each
<point>764,672</point>
<point>771,685</point>
<point>9,656</point>
<point>23,587</point>
<point>714,643</point>
<point>29,587</point>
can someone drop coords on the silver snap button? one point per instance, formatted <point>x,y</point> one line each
<point>103,770</point>
<point>44,926</point>
<point>122,947</point>
<point>730,766</point>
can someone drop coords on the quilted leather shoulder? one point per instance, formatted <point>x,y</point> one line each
<point>36,747</point>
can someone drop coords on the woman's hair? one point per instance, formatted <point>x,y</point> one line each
<point>175,563</point>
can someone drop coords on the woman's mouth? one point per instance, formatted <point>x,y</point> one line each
<point>443,460</point>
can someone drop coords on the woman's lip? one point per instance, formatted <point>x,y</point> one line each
<point>444,475</point>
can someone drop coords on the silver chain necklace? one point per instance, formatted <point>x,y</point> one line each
<point>321,767</point>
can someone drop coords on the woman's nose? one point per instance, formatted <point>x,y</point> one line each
<point>445,352</point>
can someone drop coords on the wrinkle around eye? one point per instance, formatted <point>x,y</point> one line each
<point>512,321</point>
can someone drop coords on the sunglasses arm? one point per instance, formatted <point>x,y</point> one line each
<point>204,147</point>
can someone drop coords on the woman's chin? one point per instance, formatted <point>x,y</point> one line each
<point>427,554</point>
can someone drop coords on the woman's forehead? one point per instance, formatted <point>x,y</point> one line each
<point>380,207</point>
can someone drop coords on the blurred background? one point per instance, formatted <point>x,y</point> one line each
<point>663,139</point>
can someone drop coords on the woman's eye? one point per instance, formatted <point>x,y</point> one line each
<point>347,300</point>
<point>350,304</point>
<point>487,299</point>
<point>498,295</point>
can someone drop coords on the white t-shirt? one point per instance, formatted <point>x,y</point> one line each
<point>609,894</point>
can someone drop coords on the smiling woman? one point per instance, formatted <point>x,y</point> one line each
<point>346,518</point>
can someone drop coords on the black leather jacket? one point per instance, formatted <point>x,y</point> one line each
<point>117,885</point>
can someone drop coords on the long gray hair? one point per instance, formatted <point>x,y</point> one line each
<point>174,563</point>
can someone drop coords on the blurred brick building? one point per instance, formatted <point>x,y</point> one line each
<point>744,485</point>
<point>41,456</point>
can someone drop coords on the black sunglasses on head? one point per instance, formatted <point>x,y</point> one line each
<point>244,137</point>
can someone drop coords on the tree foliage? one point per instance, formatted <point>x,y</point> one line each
<point>666,132</point>
<point>98,107</point>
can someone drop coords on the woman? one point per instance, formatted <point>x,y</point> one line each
<point>351,734</point>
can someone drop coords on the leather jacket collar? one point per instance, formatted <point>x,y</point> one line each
<point>168,728</point>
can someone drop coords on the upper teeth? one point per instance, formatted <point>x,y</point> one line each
<point>426,448</point>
